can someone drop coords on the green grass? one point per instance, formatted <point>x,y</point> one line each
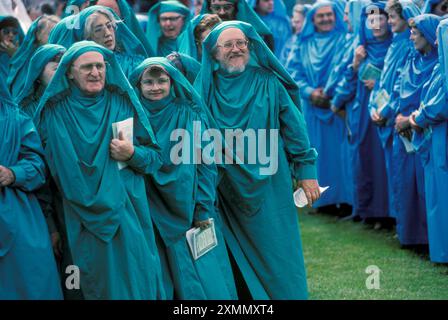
<point>338,253</point>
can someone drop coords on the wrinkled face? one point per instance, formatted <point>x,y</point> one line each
<point>42,36</point>
<point>110,4</point>
<point>441,8</point>
<point>265,7</point>
<point>379,26</point>
<point>224,9</point>
<point>171,24</point>
<point>197,7</point>
<point>88,72</point>
<point>8,34</point>
<point>347,19</point>
<point>420,42</point>
<point>104,32</point>
<point>155,88</point>
<point>324,19</point>
<point>232,50</point>
<point>397,24</point>
<point>297,22</point>
<point>48,72</point>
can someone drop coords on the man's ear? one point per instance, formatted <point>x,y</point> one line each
<point>70,75</point>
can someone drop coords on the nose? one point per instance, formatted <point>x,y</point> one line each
<point>95,72</point>
<point>221,12</point>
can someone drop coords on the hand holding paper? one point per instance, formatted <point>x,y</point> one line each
<point>300,198</point>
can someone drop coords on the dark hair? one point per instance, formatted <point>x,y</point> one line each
<point>155,71</point>
<point>176,61</point>
<point>395,5</point>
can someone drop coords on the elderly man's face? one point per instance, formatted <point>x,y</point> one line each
<point>324,19</point>
<point>88,72</point>
<point>397,24</point>
<point>104,32</point>
<point>110,4</point>
<point>232,51</point>
<point>171,24</point>
<point>265,7</point>
<point>155,88</point>
<point>224,9</point>
<point>48,73</point>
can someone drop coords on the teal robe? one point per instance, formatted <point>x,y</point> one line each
<point>184,193</point>
<point>27,265</point>
<point>5,59</point>
<point>260,220</point>
<point>106,215</point>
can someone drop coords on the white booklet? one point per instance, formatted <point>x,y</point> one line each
<point>370,72</point>
<point>202,241</point>
<point>127,127</point>
<point>300,199</point>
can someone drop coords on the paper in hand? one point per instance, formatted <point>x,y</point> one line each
<point>300,199</point>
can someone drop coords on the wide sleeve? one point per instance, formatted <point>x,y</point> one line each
<point>30,169</point>
<point>207,181</point>
<point>434,111</point>
<point>346,89</point>
<point>297,71</point>
<point>295,136</point>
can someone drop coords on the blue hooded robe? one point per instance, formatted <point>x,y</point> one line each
<point>27,264</point>
<point>129,51</point>
<point>105,210</point>
<point>29,97</point>
<point>432,116</point>
<point>408,177</point>
<point>260,220</point>
<point>5,59</point>
<point>314,57</point>
<point>184,193</point>
<point>160,45</point>
<point>394,61</point>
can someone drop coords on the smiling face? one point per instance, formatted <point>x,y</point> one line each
<point>155,84</point>
<point>88,72</point>
<point>171,24</point>
<point>324,19</point>
<point>232,51</point>
<point>420,42</point>
<point>397,24</point>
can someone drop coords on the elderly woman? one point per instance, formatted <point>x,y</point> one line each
<point>36,36</point>
<point>99,173</point>
<point>41,69</point>
<point>101,24</point>
<point>27,265</point>
<point>182,196</point>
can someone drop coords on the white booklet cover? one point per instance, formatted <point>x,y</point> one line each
<point>127,127</point>
<point>202,241</point>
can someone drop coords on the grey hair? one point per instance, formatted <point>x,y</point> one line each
<point>88,27</point>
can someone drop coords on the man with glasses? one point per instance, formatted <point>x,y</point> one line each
<point>166,21</point>
<point>251,90</point>
<point>107,226</point>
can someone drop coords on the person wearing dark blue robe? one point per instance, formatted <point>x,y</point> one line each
<point>254,92</point>
<point>316,54</point>
<point>430,123</point>
<point>182,195</point>
<point>100,174</point>
<point>277,21</point>
<point>370,195</point>
<point>383,116</point>
<point>27,264</point>
<point>408,175</point>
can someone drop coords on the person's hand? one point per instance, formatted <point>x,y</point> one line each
<point>9,47</point>
<point>401,123</point>
<point>377,119</point>
<point>369,84</point>
<point>339,112</point>
<point>360,55</point>
<point>320,99</point>
<point>414,124</point>
<point>202,224</point>
<point>121,149</point>
<point>311,189</point>
<point>7,177</point>
<point>56,243</point>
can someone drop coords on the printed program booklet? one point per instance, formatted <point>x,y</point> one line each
<point>202,241</point>
<point>370,72</point>
<point>127,127</point>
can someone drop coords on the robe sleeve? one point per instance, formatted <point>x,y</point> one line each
<point>346,89</point>
<point>434,111</point>
<point>390,110</point>
<point>294,133</point>
<point>206,192</point>
<point>295,67</point>
<point>30,167</point>
<point>147,158</point>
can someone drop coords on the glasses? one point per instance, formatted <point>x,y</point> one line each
<point>240,44</point>
<point>88,68</point>
<point>159,82</point>
<point>170,19</point>
<point>225,7</point>
<point>6,31</point>
<point>99,30</point>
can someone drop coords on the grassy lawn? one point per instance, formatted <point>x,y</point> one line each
<point>338,253</point>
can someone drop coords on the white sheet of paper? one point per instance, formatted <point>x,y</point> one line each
<point>300,199</point>
<point>127,127</point>
<point>201,241</point>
